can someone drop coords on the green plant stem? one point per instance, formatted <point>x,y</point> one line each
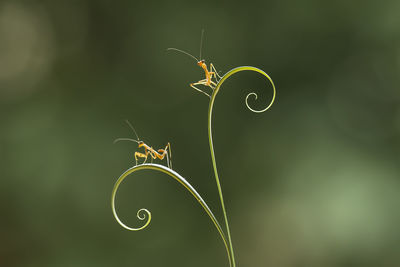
<point>183,182</point>
<point>210,109</point>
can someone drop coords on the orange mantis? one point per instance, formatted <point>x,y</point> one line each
<point>210,74</point>
<point>148,150</point>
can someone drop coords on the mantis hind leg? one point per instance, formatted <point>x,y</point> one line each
<point>202,82</point>
<point>214,84</point>
<point>164,152</point>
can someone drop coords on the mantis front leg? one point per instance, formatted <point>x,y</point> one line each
<point>140,155</point>
<point>214,71</point>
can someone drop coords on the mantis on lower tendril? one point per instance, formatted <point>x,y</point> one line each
<point>148,150</point>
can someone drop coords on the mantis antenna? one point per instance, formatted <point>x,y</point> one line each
<point>130,125</point>
<point>201,41</point>
<point>128,139</point>
<point>125,139</point>
<point>176,49</point>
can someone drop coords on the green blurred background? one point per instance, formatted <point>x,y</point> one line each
<point>312,182</point>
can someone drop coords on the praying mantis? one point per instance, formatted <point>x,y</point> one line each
<point>148,150</point>
<point>210,74</point>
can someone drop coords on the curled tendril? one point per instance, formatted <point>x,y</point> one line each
<point>210,109</point>
<point>244,68</point>
<point>142,214</point>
